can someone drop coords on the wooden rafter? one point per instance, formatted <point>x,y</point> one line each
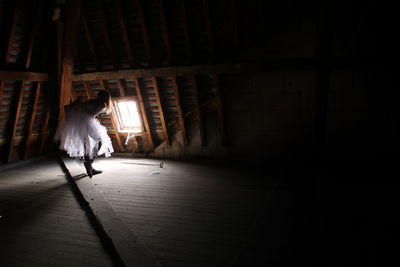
<point>179,108</point>
<point>14,123</point>
<point>234,23</point>
<point>105,30</point>
<point>88,34</point>
<point>31,119</point>
<point>12,32</point>
<point>186,30</point>
<point>121,88</point>
<point>164,28</point>
<point>125,38</point>
<point>144,31</point>
<point>2,85</point>
<point>143,111</point>
<point>88,90</point>
<point>220,114</point>
<point>208,23</point>
<point>33,35</point>
<point>198,111</point>
<point>115,128</point>
<point>74,95</point>
<point>160,110</point>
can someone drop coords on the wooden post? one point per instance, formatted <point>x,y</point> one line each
<point>160,110</point>
<point>144,116</point>
<point>69,48</point>
<point>31,120</point>
<point>43,130</point>
<point>198,111</point>
<point>220,114</point>
<point>115,128</point>
<point>179,108</point>
<point>14,123</point>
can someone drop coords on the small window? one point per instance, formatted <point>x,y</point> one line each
<point>127,115</point>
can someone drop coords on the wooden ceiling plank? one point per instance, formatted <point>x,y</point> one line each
<point>143,111</point>
<point>179,108</point>
<point>14,123</point>
<point>160,110</point>
<point>208,23</point>
<point>125,37</point>
<point>198,110</point>
<point>144,31</point>
<point>12,32</point>
<point>164,28</point>
<point>31,120</point>
<point>115,128</point>
<point>186,30</point>
<point>88,35</point>
<point>33,35</point>
<point>106,31</point>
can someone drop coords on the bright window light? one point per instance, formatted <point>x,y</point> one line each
<point>127,115</point>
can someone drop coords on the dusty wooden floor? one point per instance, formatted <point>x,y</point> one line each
<point>42,222</point>
<point>185,214</point>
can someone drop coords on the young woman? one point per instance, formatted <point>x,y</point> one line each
<point>81,135</point>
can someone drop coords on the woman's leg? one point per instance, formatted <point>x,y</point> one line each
<point>88,164</point>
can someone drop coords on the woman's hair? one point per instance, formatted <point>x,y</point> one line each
<point>105,97</point>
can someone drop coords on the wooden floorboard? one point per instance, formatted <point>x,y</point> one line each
<point>42,223</point>
<point>186,214</point>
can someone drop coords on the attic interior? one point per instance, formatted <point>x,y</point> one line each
<point>265,133</point>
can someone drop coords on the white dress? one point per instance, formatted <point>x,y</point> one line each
<point>80,133</point>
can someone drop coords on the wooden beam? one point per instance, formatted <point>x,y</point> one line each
<point>220,113</point>
<point>14,122</point>
<point>69,48</point>
<point>19,76</point>
<point>263,66</point>
<point>12,32</point>
<point>144,31</point>
<point>88,34</point>
<point>208,23</point>
<point>164,28</point>
<point>125,38</point>
<point>160,110</point>
<point>179,108</point>
<point>115,128</point>
<point>106,31</point>
<point>88,90</point>
<point>143,111</point>
<point>198,111</point>
<point>186,31</point>
<point>33,35</point>
<point>31,120</point>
